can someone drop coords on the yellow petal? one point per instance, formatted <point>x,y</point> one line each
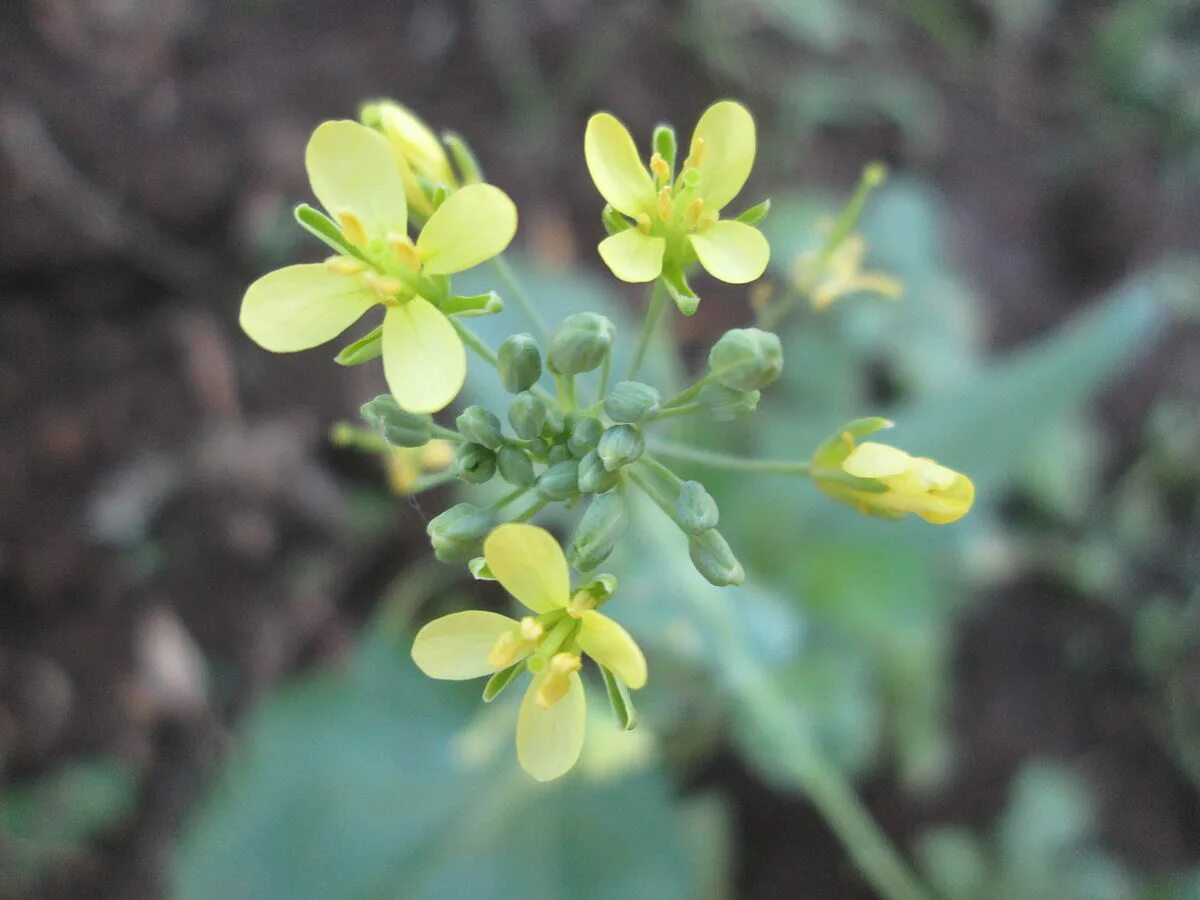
<point>351,169</point>
<point>413,139</point>
<point>423,357</point>
<point>633,256</point>
<point>299,307</point>
<point>456,646</point>
<point>612,160</point>
<point>732,251</point>
<point>613,647</point>
<point>871,460</point>
<point>945,506</point>
<point>549,740</point>
<point>727,129</point>
<point>474,224</point>
<point>530,564</point>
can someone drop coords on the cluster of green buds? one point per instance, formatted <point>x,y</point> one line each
<point>405,210</point>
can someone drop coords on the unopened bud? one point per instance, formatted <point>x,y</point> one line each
<point>481,427</point>
<point>474,463</point>
<point>714,560</point>
<point>581,343</point>
<point>695,508</point>
<point>722,404</point>
<point>527,415</point>
<point>620,445</point>
<point>515,466</point>
<point>519,363</point>
<point>601,527</point>
<point>558,453</point>
<point>746,359</point>
<point>457,534</point>
<point>593,477</point>
<point>560,481</point>
<point>631,401</point>
<point>397,426</point>
<point>585,435</point>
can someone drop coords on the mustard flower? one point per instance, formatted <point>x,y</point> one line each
<point>676,219</point>
<point>879,480</point>
<point>842,274</point>
<point>530,565</point>
<point>354,175</point>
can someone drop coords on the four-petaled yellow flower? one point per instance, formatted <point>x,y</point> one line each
<point>677,218</point>
<point>355,176</point>
<point>531,566</point>
<point>879,480</point>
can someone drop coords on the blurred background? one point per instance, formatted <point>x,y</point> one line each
<point>205,608</point>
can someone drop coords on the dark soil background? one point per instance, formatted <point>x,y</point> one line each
<point>162,480</point>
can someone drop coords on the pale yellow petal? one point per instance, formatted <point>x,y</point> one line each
<point>416,142</point>
<point>727,129</point>
<point>616,168</point>
<point>474,224</point>
<point>732,251</point>
<point>871,460</point>
<point>351,169</point>
<point>530,564</point>
<point>549,741</point>
<point>423,357</point>
<point>456,647</point>
<point>633,256</point>
<point>613,647</point>
<point>949,505</point>
<point>300,307</point>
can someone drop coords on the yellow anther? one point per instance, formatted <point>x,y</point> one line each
<point>352,227</point>
<point>659,167</point>
<point>708,218</point>
<point>345,265</point>
<point>531,628</point>
<point>643,223</point>
<point>558,680</point>
<point>848,440</point>
<point>504,651</point>
<point>691,215</point>
<point>580,602</point>
<point>696,156</point>
<point>664,204</point>
<point>404,250</point>
<point>384,286</point>
<point>565,663</point>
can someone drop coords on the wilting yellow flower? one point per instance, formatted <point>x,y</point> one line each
<point>842,274</point>
<point>879,480</point>
<point>405,465</point>
<point>529,563</point>
<point>418,152</point>
<point>354,175</point>
<point>676,220</point>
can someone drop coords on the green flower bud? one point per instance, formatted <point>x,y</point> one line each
<point>397,426</point>
<point>599,530</point>
<point>696,509</point>
<point>558,453</point>
<point>527,415</point>
<point>723,404</point>
<point>714,560</point>
<point>631,401</point>
<point>581,343</point>
<point>620,445</point>
<point>457,534</point>
<point>474,463</point>
<point>539,448</point>
<point>519,363</point>
<point>593,477</point>
<point>481,427</point>
<point>585,436</point>
<point>560,481</point>
<point>746,359</point>
<point>556,422</point>
<point>515,466</point>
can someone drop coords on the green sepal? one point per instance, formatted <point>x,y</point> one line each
<point>756,213</point>
<point>618,699</point>
<point>601,527</point>
<point>365,349</point>
<point>479,570</point>
<point>833,450</point>
<point>593,477</point>
<point>515,467</point>
<point>479,305</point>
<point>600,589</point>
<point>325,230</point>
<point>469,170</point>
<point>501,680</point>
<point>613,221</point>
<point>686,300</point>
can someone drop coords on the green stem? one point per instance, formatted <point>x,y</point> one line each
<point>687,394</point>
<point>513,286</point>
<point>565,385</point>
<point>672,411</point>
<point>429,482</point>
<point>605,375</point>
<point>650,489</point>
<point>530,511</point>
<point>446,434</point>
<point>725,461</point>
<point>510,497</point>
<point>658,303</point>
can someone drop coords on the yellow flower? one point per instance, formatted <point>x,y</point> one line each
<point>529,563</point>
<point>842,274</point>
<point>354,175</point>
<point>676,220</point>
<point>405,465</point>
<point>879,480</point>
<point>417,150</point>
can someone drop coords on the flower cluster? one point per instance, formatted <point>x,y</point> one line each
<point>405,210</point>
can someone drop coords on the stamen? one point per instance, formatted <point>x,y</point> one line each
<point>848,440</point>
<point>505,650</point>
<point>643,223</point>
<point>558,681</point>
<point>580,602</point>
<point>531,628</point>
<point>352,227</point>
<point>659,167</point>
<point>345,265</point>
<point>697,154</point>
<point>691,215</point>
<point>384,286</point>
<point>707,218</point>
<point>404,250</point>
<point>665,209</point>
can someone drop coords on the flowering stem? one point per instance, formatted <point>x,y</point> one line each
<point>671,412</point>
<point>429,482</point>
<point>513,286</point>
<point>726,461</point>
<point>510,497</point>
<point>446,434</point>
<point>687,394</point>
<point>530,511</point>
<point>605,375</point>
<point>658,302</point>
<point>565,385</point>
<point>650,489</point>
